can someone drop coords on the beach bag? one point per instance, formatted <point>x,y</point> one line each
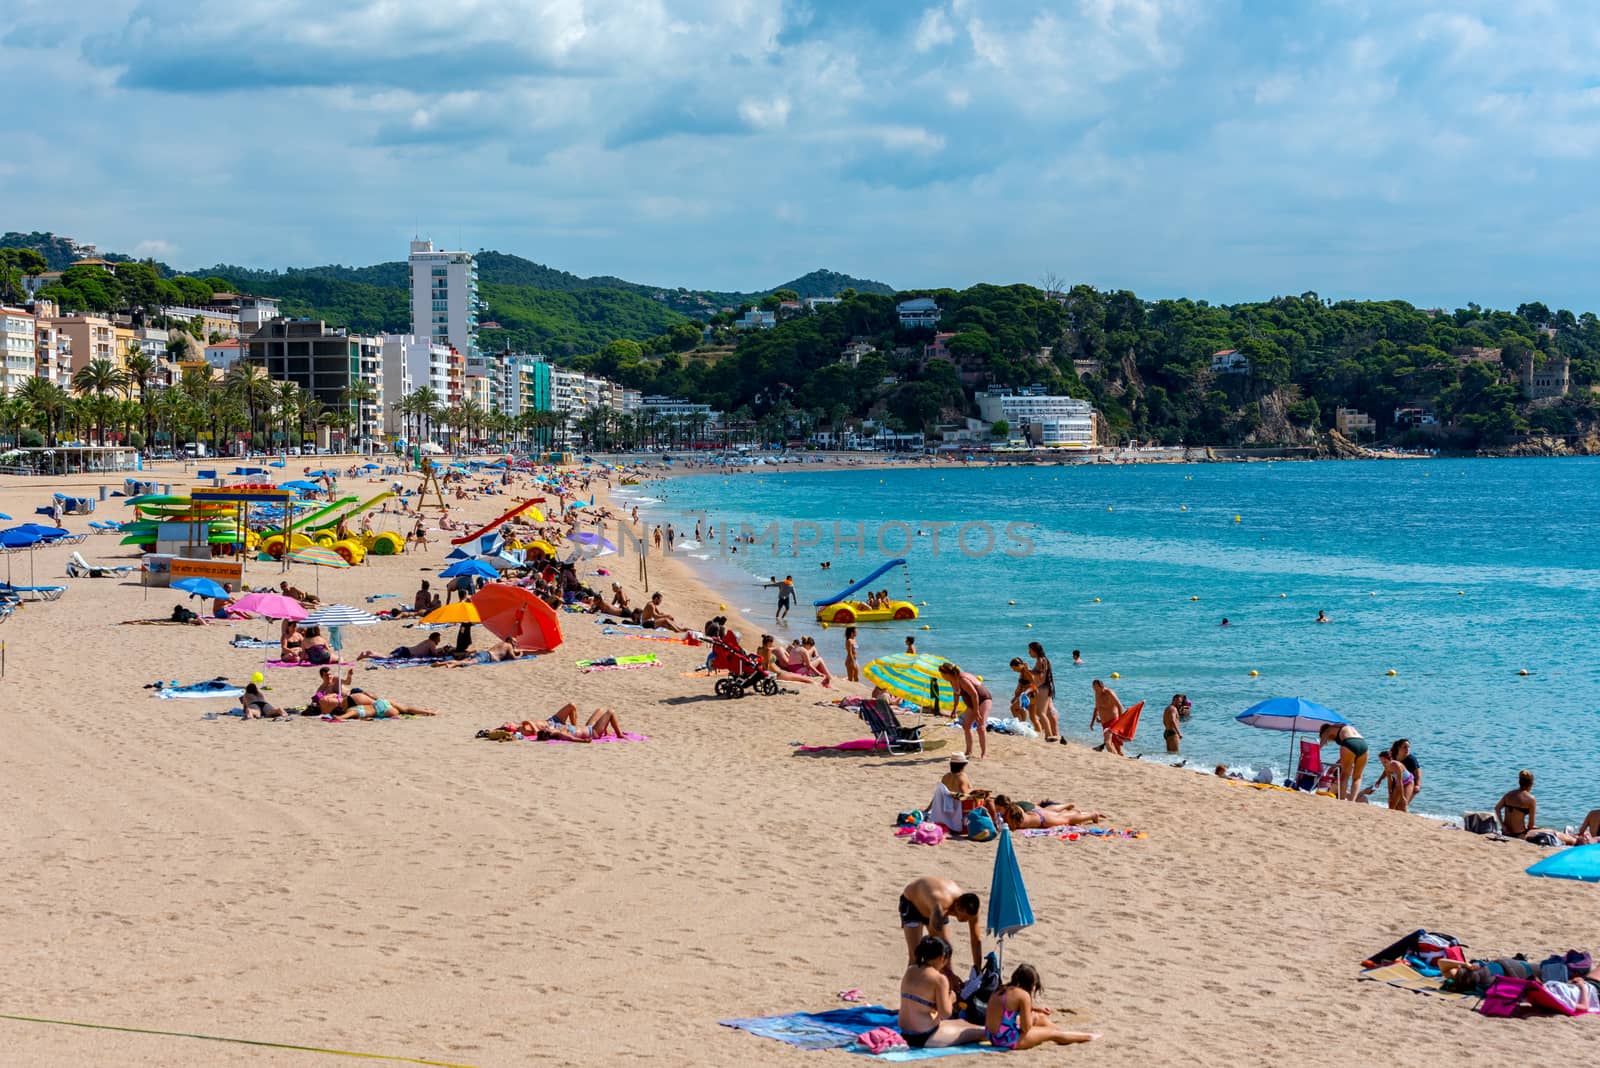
<point>927,834</point>
<point>1553,969</point>
<point>980,828</point>
<point>1479,822</point>
<point>908,819</point>
<point>181,614</point>
<point>1430,947</point>
<point>976,993</point>
<point>1541,838</point>
<point>1503,996</point>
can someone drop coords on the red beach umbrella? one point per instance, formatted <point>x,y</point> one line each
<point>519,617</point>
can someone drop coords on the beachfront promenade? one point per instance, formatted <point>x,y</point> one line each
<point>404,888</point>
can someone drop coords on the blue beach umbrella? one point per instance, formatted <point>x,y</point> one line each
<point>200,587</point>
<point>1009,911</point>
<point>1579,862</point>
<point>27,536</point>
<point>5,517</point>
<point>1293,714</point>
<point>469,567</point>
<point>302,485</point>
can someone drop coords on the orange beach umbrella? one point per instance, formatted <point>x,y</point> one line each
<point>519,617</point>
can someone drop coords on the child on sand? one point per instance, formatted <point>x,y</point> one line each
<point>1013,1020</point>
<point>851,671</point>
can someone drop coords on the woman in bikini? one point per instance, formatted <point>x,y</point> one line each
<point>1518,808</point>
<point>256,706</point>
<point>927,1003</point>
<point>563,725</point>
<point>1028,686</point>
<point>975,696</point>
<point>1041,817</point>
<point>768,656</point>
<point>291,643</point>
<point>1045,692</point>
<point>852,670</point>
<point>1352,756</point>
<point>1399,779</point>
<point>1013,1020</point>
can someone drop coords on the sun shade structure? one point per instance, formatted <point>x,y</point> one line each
<point>1579,862</point>
<point>459,612</point>
<point>1293,714</point>
<point>340,615</point>
<point>1009,911</point>
<point>269,606</point>
<point>913,677</point>
<point>476,568</point>
<point>200,587</point>
<point>519,617</point>
<point>316,554</point>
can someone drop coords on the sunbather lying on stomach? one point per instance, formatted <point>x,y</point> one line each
<point>1021,819</point>
<point>564,725</point>
<point>494,654</point>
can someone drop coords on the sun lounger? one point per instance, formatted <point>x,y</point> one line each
<point>40,593</point>
<point>78,567</point>
<point>105,526</point>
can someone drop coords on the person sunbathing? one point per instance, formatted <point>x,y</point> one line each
<point>291,643</point>
<point>794,659</point>
<point>298,594</point>
<point>767,656</point>
<point>256,706</point>
<point>653,616</point>
<point>619,600</point>
<point>927,1016</point>
<point>602,723</point>
<point>496,653</point>
<point>380,708</point>
<point>427,649</point>
<point>316,649</point>
<point>1044,817</point>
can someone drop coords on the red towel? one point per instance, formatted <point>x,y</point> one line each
<point>1126,725</point>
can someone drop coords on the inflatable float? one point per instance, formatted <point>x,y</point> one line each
<point>841,609</point>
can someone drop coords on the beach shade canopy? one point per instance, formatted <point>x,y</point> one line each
<point>476,568</point>
<point>499,561</point>
<point>432,448</point>
<point>316,554</point>
<point>593,541</point>
<point>1289,714</point>
<point>913,677</point>
<point>340,615</point>
<point>369,467</point>
<point>5,517</point>
<point>269,606</point>
<point>302,485</point>
<point>30,534</point>
<point>200,587</point>
<point>1579,862</point>
<point>519,617</point>
<point>1009,911</point>
<point>459,612</point>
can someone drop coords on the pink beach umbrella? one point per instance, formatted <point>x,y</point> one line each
<point>269,606</point>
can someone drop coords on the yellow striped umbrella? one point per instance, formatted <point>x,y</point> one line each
<point>316,554</point>
<point>914,677</point>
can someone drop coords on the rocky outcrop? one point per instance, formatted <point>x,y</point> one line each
<point>1276,427</point>
<point>1335,446</point>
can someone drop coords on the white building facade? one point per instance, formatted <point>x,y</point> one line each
<point>19,349</point>
<point>444,297</point>
<point>1045,419</point>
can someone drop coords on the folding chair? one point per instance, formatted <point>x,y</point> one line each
<point>887,728</point>
<point>1312,776</point>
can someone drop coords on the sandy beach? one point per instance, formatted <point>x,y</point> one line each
<point>402,888</point>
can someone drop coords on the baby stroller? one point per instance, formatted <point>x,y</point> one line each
<point>744,671</point>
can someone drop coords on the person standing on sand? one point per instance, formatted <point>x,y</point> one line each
<point>1107,707</point>
<point>1045,692</point>
<point>972,693</point>
<point>852,671</point>
<point>1170,731</point>
<point>1352,756</point>
<point>929,903</point>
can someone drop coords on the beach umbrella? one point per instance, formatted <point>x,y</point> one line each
<point>592,544</point>
<point>1293,714</point>
<point>458,612</point>
<point>913,677</point>
<point>1009,911</point>
<point>201,587</point>
<point>302,485</point>
<point>27,536</point>
<point>369,467</point>
<point>317,555</point>
<point>476,568</point>
<point>1579,862</point>
<point>499,561</point>
<point>334,616</point>
<point>519,617</point>
<point>5,517</point>
<point>269,606</point>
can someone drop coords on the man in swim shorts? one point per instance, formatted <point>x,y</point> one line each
<point>785,594</point>
<point>928,904</point>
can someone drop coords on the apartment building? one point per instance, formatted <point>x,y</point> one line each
<point>1046,419</point>
<point>18,349</point>
<point>444,296</point>
<point>323,361</point>
<point>52,348</point>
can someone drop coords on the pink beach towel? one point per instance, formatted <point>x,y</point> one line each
<point>627,736</point>
<point>293,663</point>
<point>859,743</point>
<point>881,1040</point>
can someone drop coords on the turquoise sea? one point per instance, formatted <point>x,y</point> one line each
<point>1455,574</point>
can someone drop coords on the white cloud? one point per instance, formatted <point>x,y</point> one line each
<point>155,248</point>
<point>765,114</point>
<point>933,30</point>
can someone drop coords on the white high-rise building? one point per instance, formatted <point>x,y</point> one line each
<point>409,363</point>
<point>444,297</point>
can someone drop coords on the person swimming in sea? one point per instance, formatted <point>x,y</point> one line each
<point>1322,617</point>
<point>1224,622</point>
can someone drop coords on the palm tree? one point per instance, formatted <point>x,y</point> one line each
<point>252,388</point>
<point>47,401</point>
<point>425,406</point>
<point>100,378</point>
<point>471,417</point>
<point>15,413</point>
<point>141,371</point>
<point>286,399</point>
<point>360,395</point>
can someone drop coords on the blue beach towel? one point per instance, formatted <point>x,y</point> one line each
<point>241,641</point>
<point>837,1029</point>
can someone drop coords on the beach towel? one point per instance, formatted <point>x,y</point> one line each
<point>627,736</point>
<point>945,810</point>
<point>296,663</point>
<point>1405,977</point>
<point>401,661</point>
<point>840,1029</point>
<point>842,747</point>
<point>1078,834</point>
<point>170,694</point>
<point>619,663</point>
<point>1018,727</point>
<point>242,641</point>
<point>1126,725</point>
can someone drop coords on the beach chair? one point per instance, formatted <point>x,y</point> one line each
<point>105,526</point>
<point>1312,776</point>
<point>40,593</point>
<point>78,567</point>
<point>887,728</point>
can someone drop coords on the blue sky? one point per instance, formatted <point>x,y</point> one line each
<point>1229,150</point>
